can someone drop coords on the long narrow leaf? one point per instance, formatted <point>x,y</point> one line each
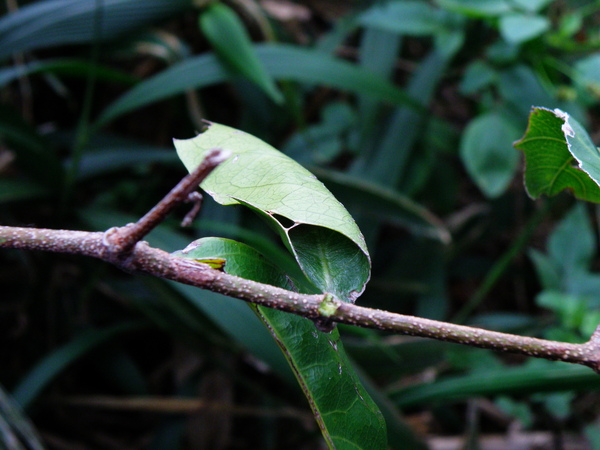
<point>15,427</point>
<point>48,23</point>
<point>282,62</point>
<point>233,46</point>
<point>50,366</point>
<point>522,380</point>
<point>347,416</point>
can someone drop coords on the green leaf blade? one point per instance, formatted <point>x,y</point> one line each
<point>233,46</point>
<point>345,412</point>
<point>559,155</point>
<point>487,154</point>
<point>292,200</point>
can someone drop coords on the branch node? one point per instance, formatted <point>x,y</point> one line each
<point>196,199</point>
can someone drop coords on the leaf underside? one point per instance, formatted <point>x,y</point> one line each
<point>315,227</point>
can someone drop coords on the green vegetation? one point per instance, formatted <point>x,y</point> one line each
<point>407,111</point>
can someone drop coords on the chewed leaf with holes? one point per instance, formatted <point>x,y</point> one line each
<point>559,155</point>
<point>315,227</point>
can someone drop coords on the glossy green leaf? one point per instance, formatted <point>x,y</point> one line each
<point>317,229</point>
<point>238,259</point>
<point>233,46</point>
<point>519,28</point>
<point>282,62</point>
<point>48,23</point>
<point>346,414</point>
<point>487,153</point>
<point>559,155</point>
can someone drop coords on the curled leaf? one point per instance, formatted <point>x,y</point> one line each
<point>315,227</point>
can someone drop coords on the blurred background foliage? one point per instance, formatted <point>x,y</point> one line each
<point>406,110</point>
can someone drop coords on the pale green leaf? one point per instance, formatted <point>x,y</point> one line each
<point>292,200</point>
<point>487,153</point>
<point>233,46</point>
<point>407,17</point>
<point>519,28</point>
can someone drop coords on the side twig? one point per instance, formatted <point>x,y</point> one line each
<point>120,240</point>
<point>123,248</point>
<point>153,261</point>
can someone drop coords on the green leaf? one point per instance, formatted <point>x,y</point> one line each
<point>538,376</point>
<point>316,228</point>
<point>233,46</point>
<point>59,22</point>
<point>282,62</point>
<point>570,308</point>
<point>68,67</point>
<point>587,74</point>
<point>572,245</point>
<point>16,431</point>
<point>559,155</point>
<point>346,414</point>
<point>407,17</point>
<point>20,189</point>
<point>54,363</point>
<point>477,8</point>
<point>383,203</point>
<point>239,259</point>
<point>487,153</point>
<point>519,28</point>
<point>477,76</point>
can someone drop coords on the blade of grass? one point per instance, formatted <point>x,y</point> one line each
<point>50,366</point>
<point>282,62</point>
<point>15,426</point>
<point>553,377</point>
<point>59,22</point>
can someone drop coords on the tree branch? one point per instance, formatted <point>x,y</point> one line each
<point>145,259</point>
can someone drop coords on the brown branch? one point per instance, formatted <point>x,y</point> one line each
<point>122,247</point>
<point>121,240</point>
<point>153,261</point>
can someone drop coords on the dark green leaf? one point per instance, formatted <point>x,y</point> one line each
<point>233,46</point>
<point>58,22</point>
<point>282,62</point>
<point>407,17</point>
<point>559,155</point>
<point>50,366</point>
<point>386,204</point>
<point>347,416</point>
